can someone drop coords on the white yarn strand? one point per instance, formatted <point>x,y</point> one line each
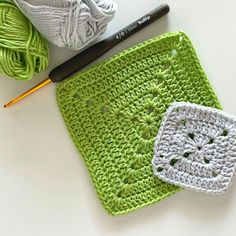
<point>69,23</point>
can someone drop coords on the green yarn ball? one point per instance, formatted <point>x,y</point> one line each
<point>23,52</point>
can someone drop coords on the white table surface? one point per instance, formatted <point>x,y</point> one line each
<point>45,189</point>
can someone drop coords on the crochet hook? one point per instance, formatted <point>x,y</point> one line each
<point>82,59</point>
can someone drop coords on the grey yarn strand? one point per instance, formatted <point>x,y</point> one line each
<point>69,23</point>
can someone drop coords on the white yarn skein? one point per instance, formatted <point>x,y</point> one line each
<point>69,23</point>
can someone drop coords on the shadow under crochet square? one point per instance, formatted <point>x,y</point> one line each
<point>113,112</point>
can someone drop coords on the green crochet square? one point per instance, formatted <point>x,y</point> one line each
<point>113,112</point>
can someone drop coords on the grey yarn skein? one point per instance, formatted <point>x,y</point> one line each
<point>69,23</point>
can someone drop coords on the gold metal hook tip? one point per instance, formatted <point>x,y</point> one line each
<point>28,92</point>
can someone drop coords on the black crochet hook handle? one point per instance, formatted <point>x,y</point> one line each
<point>87,56</point>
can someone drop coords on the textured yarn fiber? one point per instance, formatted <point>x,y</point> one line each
<point>23,52</point>
<point>196,148</point>
<point>69,23</point>
<point>113,112</point>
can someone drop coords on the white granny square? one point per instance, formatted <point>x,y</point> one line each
<point>196,148</point>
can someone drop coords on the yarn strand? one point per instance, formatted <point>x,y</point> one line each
<point>69,23</point>
<point>23,52</point>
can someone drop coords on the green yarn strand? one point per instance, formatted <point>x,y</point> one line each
<point>23,52</point>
